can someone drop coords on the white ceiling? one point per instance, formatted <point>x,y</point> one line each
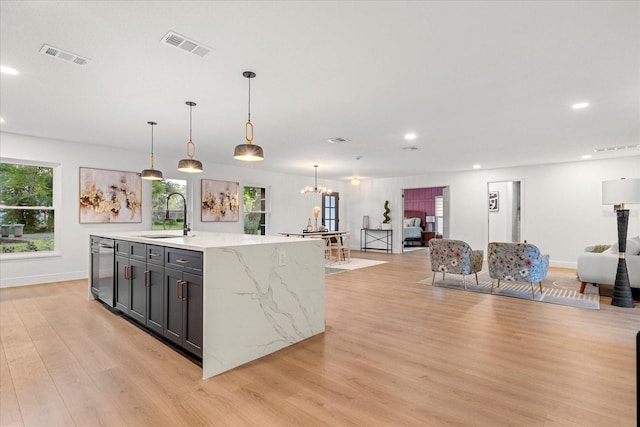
<point>480,82</point>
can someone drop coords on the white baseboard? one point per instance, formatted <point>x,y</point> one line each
<point>40,279</point>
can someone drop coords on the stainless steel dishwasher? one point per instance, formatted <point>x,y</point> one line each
<point>102,269</point>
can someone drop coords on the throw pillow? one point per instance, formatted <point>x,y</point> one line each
<point>600,248</point>
<point>633,247</point>
<point>416,222</point>
<point>408,222</point>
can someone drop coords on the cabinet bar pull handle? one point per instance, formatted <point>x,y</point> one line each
<point>183,261</point>
<point>184,282</point>
<point>154,254</point>
<point>126,272</point>
<point>146,278</point>
<point>179,289</point>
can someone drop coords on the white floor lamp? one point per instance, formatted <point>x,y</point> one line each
<point>617,192</point>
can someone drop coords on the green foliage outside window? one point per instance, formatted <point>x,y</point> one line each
<point>254,210</point>
<point>159,192</point>
<point>26,208</point>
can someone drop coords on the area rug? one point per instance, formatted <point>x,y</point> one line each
<point>558,292</point>
<point>354,264</point>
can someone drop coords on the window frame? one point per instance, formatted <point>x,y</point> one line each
<point>267,208</point>
<point>56,208</point>
<point>186,194</point>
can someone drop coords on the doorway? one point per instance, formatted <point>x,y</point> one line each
<point>330,211</point>
<point>431,206</point>
<point>505,213</point>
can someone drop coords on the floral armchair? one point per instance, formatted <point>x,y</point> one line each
<point>520,262</point>
<point>455,257</point>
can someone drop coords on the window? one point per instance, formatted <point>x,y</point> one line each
<point>255,210</point>
<point>330,211</point>
<point>27,209</point>
<point>168,216</point>
<point>439,215</point>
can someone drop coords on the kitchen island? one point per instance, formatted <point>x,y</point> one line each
<point>258,294</point>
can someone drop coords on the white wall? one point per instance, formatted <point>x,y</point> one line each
<point>562,210</point>
<point>289,212</point>
<point>561,203</point>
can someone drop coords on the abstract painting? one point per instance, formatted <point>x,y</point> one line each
<point>108,196</point>
<point>219,201</point>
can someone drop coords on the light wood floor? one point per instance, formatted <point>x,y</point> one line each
<point>394,353</point>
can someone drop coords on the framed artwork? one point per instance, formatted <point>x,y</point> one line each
<point>219,201</point>
<point>110,196</point>
<point>494,201</point>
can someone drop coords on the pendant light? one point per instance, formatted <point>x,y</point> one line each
<point>248,152</point>
<point>315,188</point>
<point>151,173</point>
<point>190,164</point>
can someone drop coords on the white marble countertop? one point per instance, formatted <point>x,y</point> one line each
<point>196,240</point>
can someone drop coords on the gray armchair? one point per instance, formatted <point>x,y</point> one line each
<point>455,257</point>
<point>520,262</point>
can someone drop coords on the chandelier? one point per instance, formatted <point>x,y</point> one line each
<point>315,188</point>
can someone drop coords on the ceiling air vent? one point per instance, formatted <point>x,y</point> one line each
<point>618,148</point>
<point>410,148</point>
<point>63,55</point>
<point>337,140</point>
<point>181,42</point>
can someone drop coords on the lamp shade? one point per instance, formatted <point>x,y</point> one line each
<point>621,191</point>
<point>248,153</point>
<point>152,174</point>
<point>430,218</point>
<point>190,165</point>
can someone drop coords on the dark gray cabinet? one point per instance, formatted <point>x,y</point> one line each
<point>183,299</point>
<point>155,288</point>
<point>161,288</point>
<point>130,279</point>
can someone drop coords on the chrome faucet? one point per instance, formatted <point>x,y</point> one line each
<point>185,227</point>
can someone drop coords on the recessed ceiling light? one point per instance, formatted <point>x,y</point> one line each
<point>8,70</point>
<point>476,166</point>
<point>586,156</point>
<point>580,105</point>
<point>410,136</point>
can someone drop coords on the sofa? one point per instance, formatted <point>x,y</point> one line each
<point>600,268</point>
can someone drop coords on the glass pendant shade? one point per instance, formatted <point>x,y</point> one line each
<point>248,151</point>
<point>190,165</point>
<point>152,173</point>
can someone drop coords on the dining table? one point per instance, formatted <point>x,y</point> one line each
<point>330,237</point>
